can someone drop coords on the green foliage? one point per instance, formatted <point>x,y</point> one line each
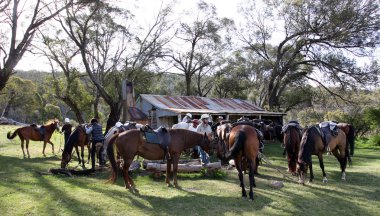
<point>26,99</point>
<point>372,116</point>
<point>52,112</point>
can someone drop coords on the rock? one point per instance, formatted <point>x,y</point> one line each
<point>276,184</point>
<point>7,121</point>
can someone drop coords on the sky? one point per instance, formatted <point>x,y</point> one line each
<point>144,11</point>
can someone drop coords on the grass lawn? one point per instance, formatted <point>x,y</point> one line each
<point>25,192</point>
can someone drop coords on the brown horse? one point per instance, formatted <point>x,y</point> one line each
<point>349,130</point>
<point>32,133</point>
<point>77,139</point>
<point>132,142</point>
<point>291,142</point>
<point>242,142</point>
<point>312,144</point>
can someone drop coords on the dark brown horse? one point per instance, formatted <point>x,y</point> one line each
<point>312,144</point>
<point>349,130</point>
<point>32,133</point>
<point>131,143</point>
<point>242,143</point>
<point>77,139</point>
<point>291,142</point>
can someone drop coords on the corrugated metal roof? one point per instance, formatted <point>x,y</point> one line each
<point>195,104</point>
<point>136,114</point>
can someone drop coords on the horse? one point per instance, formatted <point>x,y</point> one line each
<point>114,130</point>
<point>349,130</point>
<point>291,142</point>
<point>30,132</point>
<point>182,125</point>
<point>312,144</point>
<point>242,142</point>
<point>132,142</point>
<point>76,139</point>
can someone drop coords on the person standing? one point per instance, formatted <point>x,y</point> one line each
<point>66,129</point>
<point>203,127</point>
<point>187,118</point>
<point>96,131</point>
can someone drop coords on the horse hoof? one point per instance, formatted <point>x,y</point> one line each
<point>325,180</point>
<point>167,184</point>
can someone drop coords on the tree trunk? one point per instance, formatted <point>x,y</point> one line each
<point>114,115</point>
<point>96,105</point>
<point>188,84</point>
<point>74,108</point>
<point>4,77</point>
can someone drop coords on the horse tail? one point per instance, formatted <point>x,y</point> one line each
<point>111,157</point>
<point>236,147</point>
<point>9,136</point>
<point>307,147</point>
<point>351,139</point>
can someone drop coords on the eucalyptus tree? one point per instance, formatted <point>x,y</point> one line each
<point>315,41</point>
<point>198,43</point>
<point>66,77</point>
<point>19,21</point>
<point>110,51</point>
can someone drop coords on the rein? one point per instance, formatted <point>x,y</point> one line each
<point>266,160</point>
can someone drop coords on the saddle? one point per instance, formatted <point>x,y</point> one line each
<point>291,124</point>
<point>40,130</point>
<point>327,131</point>
<point>160,137</point>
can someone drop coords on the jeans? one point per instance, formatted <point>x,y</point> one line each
<point>93,153</point>
<point>202,155</point>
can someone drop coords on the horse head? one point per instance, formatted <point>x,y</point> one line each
<point>66,157</point>
<point>206,143</point>
<point>301,171</point>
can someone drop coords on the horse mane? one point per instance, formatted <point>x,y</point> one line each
<point>307,145</point>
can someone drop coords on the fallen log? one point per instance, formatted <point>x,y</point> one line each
<point>184,161</point>
<point>184,167</point>
<point>72,172</point>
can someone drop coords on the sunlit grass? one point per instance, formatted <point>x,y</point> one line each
<point>24,191</point>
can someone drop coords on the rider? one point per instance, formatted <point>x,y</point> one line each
<point>97,136</point>
<point>204,127</point>
<point>187,118</point>
<point>66,129</point>
<point>194,125</point>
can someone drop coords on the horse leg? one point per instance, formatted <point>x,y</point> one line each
<point>82,154</point>
<point>43,150</point>
<point>175,159</point>
<point>238,164</point>
<point>168,170</point>
<point>52,146</point>
<point>76,149</point>
<point>342,161</point>
<point>27,147</point>
<point>127,180</point>
<point>22,147</point>
<point>311,172</point>
<point>252,183</point>
<point>320,158</point>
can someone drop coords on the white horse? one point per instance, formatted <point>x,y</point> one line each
<point>182,125</point>
<point>117,129</point>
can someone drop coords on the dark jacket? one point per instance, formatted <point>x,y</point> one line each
<point>97,132</point>
<point>66,128</point>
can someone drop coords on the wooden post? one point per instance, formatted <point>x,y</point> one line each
<point>128,99</point>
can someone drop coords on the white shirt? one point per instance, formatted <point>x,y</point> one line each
<point>202,127</point>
